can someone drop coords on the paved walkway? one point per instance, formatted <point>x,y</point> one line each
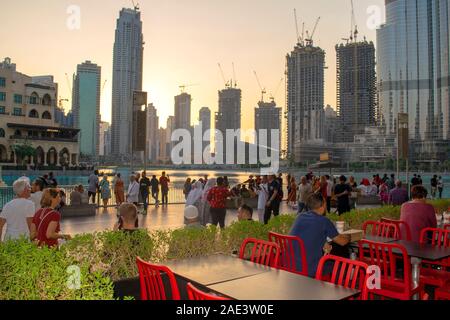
<point>170,217</point>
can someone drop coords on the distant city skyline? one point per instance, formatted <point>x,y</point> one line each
<point>184,42</point>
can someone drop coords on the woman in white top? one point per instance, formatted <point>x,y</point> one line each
<point>204,215</point>
<point>262,190</point>
<point>194,197</point>
<point>36,195</point>
<point>133,191</point>
<point>18,214</point>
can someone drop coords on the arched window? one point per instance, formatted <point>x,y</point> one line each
<point>33,114</point>
<point>2,133</point>
<point>47,115</point>
<point>34,98</point>
<point>47,100</point>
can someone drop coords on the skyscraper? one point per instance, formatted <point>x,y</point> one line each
<point>229,115</point>
<point>103,138</point>
<point>204,116</point>
<point>86,107</point>
<point>183,111</point>
<point>305,95</point>
<point>127,77</point>
<point>413,67</point>
<point>356,88</point>
<point>268,117</point>
<point>152,133</point>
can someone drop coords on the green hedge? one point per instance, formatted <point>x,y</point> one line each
<point>31,273</point>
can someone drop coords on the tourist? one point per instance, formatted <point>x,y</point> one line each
<point>419,179</point>
<point>275,198</point>
<point>418,214</point>
<point>45,228</point>
<point>414,181</point>
<point>187,188</point>
<point>62,203</point>
<point>36,193</point>
<point>195,195</point>
<point>262,190</point>
<point>391,182</point>
<point>128,218</point>
<point>323,187</point>
<point>398,195</point>
<point>440,187</point>
<point>372,190</point>
<point>226,183</point>
<point>280,182</point>
<point>43,181</point>
<point>18,213</point>
<point>133,191</point>
<point>352,183</point>
<point>363,188</point>
<point>144,190</point>
<point>304,191</point>
<point>84,195</point>
<point>245,193</point>
<point>53,181</point>
<point>93,185</point>
<point>292,194</point>
<point>434,186</point>
<point>289,182</point>
<point>154,183</point>
<point>137,176</point>
<point>105,190</point>
<point>204,212</point>
<point>191,217</point>
<point>119,189</point>
<point>384,193</point>
<point>236,190</point>
<point>245,213</point>
<point>217,197</point>
<point>164,182</point>
<point>330,187</point>
<point>314,229</point>
<point>385,178</point>
<point>343,192</point>
<point>75,197</point>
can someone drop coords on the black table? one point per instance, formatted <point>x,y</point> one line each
<point>373,239</point>
<point>281,285</point>
<point>419,252</point>
<point>214,269</point>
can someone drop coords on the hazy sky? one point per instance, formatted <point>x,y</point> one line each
<point>184,41</point>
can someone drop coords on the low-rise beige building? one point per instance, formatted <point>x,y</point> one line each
<point>27,115</point>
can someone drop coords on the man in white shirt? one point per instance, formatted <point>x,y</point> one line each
<point>330,186</point>
<point>93,185</point>
<point>36,195</point>
<point>133,191</point>
<point>304,191</point>
<point>262,190</point>
<point>18,213</point>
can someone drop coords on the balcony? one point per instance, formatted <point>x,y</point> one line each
<point>34,138</point>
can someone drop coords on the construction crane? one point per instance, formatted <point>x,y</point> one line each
<point>296,26</point>
<point>263,90</point>
<point>272,95</point>
<point>68,83</point>
<point>354,27</point>
<point>234,77</point>
<point>227,84</point>
<point>309,40</point>
<point>184,86</point>
<point>103,87</point>
<point>135,6</point>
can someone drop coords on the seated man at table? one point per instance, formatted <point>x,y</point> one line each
<point>245,213</point>
<point>191,217</point>
<point>418,214</point>
<point>314,229</point>
<point>128,218</point>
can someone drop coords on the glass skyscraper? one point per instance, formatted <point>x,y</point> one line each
<point>127,77</point>
<point>413,67</point>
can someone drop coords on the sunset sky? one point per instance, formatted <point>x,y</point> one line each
<point>184,41</point>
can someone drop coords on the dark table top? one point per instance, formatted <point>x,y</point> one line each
<point>281,285</point>
<point>426,252</point>
<point>374,239</point>
<point>214,269</point>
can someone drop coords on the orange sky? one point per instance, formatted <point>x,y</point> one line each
<point>184,42</point>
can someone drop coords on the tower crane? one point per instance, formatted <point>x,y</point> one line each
<point>296,26</point>
<point>272,95</point>
<point>309,41</point>
<point>227,84</point>
<point>263,90</point>
<point>184,86</point>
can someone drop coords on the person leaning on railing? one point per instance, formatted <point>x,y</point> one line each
<point>45,228</point>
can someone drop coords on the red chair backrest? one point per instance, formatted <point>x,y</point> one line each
<point>196,294</point>
<point>262,252</point>
<point>382,229</point>
<point>436,237</point>
<point>446,226</point>
<point>348,273</point>
<point>290,248</point>
<point>399,223</point>
<point>385,256</point>
<point>152,285</point>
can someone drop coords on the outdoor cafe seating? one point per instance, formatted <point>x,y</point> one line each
<point>266,270</point>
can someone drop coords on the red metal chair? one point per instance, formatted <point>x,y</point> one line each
<point>385,256</point>
<point>152,286</point>
<point>382,229</point>
<point>446,226</point>
<point>347,273</point>
<point>196,294</point>
<point>435,273</point>
<point>290,248</point>
<point>399,223</point>
<point>262,252</point>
